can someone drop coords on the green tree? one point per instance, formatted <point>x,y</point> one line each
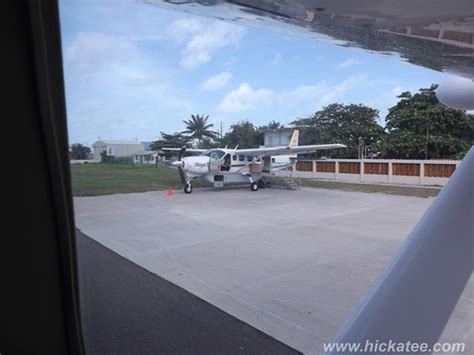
<point>209,143</point>
<point>420,127</point>
<point>271,125</point>
<point>244,134</point>
<point>198,128</point>
<point>175,140</point>
<point>337,123</point>
<point>79,151</point>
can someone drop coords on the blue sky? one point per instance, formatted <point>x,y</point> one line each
<point>133,70</point>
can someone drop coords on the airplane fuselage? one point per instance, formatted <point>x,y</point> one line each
<point>223,166</point>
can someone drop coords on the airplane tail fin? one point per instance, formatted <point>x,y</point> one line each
<point>294,138</point>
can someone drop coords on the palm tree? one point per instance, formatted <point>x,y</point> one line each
<point>198,128</point>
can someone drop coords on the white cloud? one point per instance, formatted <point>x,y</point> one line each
<point>321,93</point>
<point>182,28</point>
<point>216,82</point>
<point>338,91</point>
<point>115,88</point>
<point>300,100</point>
<point>347,64</point>
<point>304,92</point>
<point>244,98</point>
<point>103,59</point>
<point>92,51</point>
<point>202,39</point>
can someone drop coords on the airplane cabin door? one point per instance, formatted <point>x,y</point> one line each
<point>267,164</point>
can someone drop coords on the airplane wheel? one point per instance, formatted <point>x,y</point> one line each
<point>253,186</point>
<point>188,188</point>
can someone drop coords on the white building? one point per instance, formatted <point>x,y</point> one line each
<point>116,148</point>
<point>277,137</point>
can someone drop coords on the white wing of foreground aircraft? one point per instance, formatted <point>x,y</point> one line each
<point>223,166</point>
<point>436,34</point>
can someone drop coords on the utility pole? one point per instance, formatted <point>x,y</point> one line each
<point>221,130</point>
<point>360,154</point>
<point>426,146</point>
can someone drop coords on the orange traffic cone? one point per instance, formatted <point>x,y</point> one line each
<point>169,191</point>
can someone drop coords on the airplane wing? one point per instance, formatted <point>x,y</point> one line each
<point>272,151</point>
<point>192,150</point>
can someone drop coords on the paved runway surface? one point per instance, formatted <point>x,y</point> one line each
<point>293,264</point>
<point>129,310</point>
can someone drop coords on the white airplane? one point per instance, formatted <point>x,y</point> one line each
<point>223,166</point>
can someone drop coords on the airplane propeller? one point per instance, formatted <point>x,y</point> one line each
<point>182,176</point>
<point>179,164</point>
<point>181,152</point>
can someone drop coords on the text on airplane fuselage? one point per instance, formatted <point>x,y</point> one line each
<point>199,165</point>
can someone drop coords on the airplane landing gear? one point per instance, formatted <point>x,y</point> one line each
<point>188,188</point>
<point>253,184</point>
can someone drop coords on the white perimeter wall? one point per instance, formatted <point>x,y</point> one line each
<point>389,178</point>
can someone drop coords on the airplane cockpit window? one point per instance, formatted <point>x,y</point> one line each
<point>216,154</point>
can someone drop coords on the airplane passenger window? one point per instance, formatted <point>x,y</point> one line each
<point>187,253</point>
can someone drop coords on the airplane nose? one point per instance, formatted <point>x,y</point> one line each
<point>178,164</point>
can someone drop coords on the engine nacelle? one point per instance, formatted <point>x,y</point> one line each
<point>457,92</point>
<point>196,165</point>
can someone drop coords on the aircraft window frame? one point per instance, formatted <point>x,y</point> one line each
<point>215,154</point>
<point>249,158</point>
<point>241,157</point>
<point>234,157</point>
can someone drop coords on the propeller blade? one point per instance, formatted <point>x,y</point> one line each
<point>181,152</point>
<point>182,175</point>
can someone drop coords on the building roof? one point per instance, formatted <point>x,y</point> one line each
<point>117,141</point>
<point>277,130</point>
<point>147,145</point>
